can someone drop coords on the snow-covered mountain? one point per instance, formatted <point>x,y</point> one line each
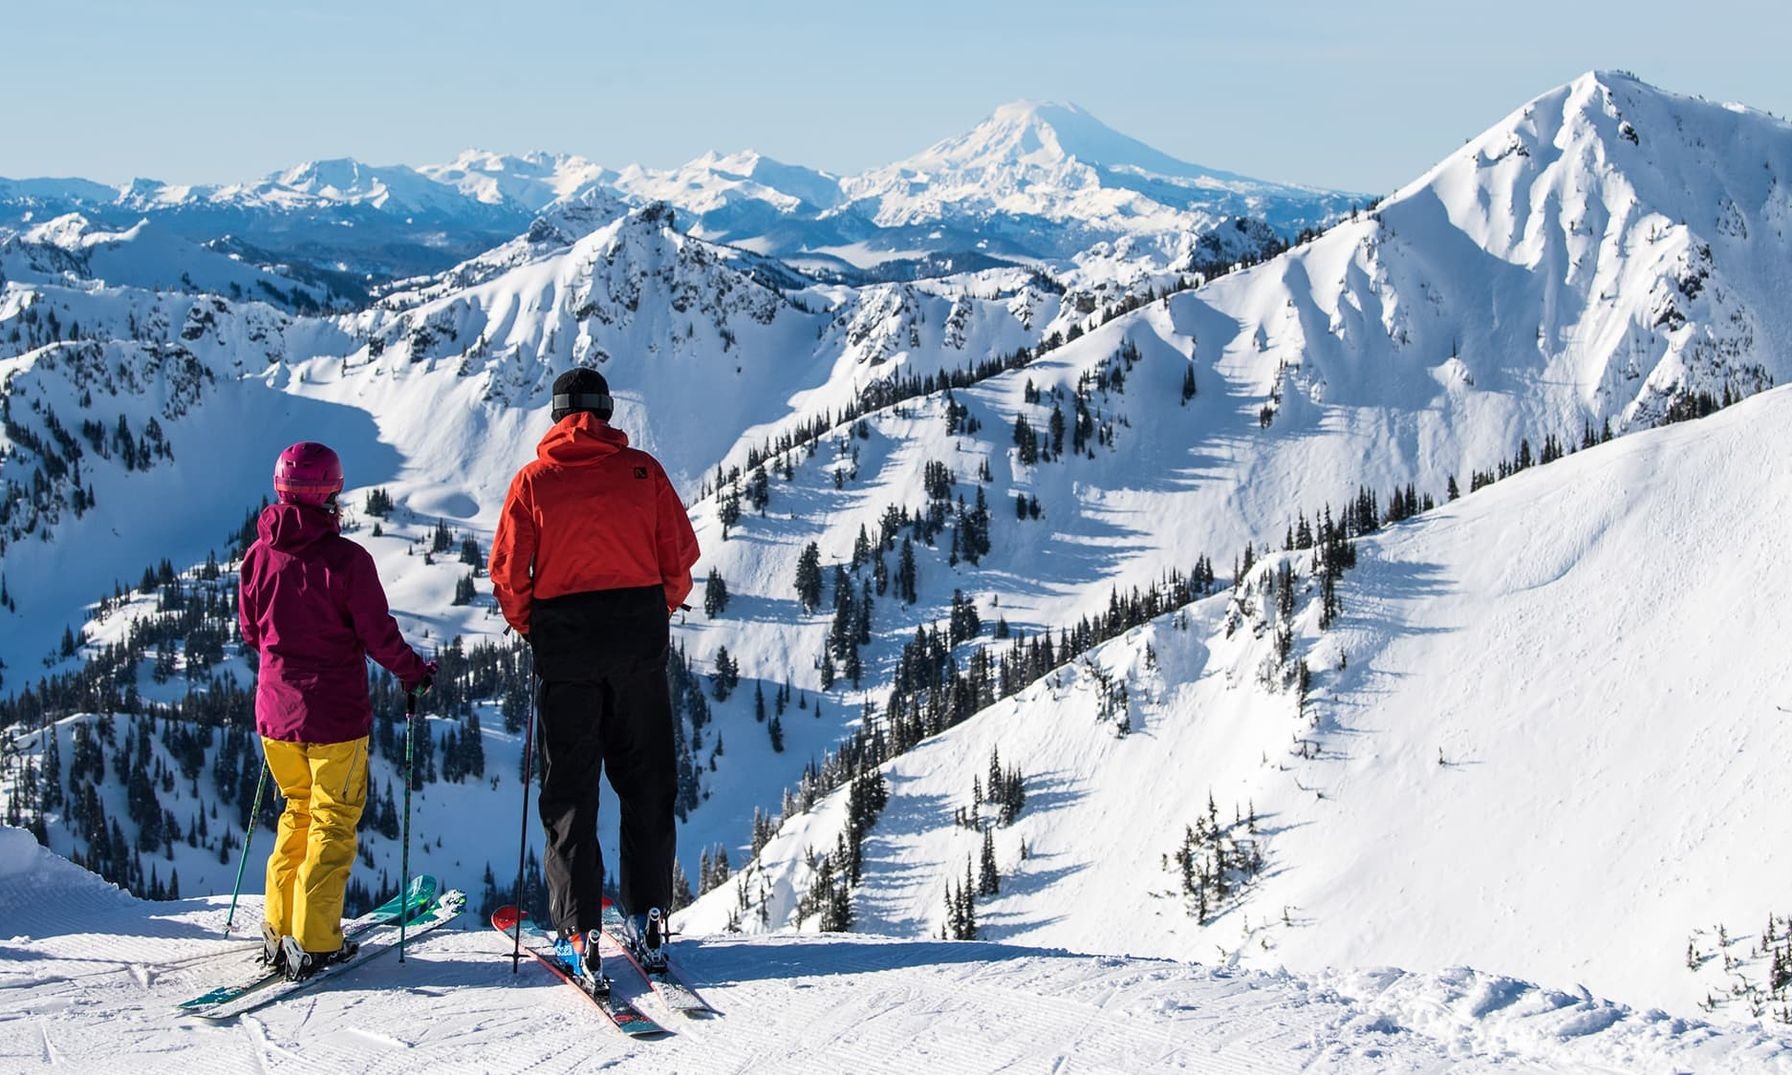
<point>1604,258</point>
<point>1531,744</point>
<point>71,251</point>
<point>1050,178</point>
<point>456,371</point>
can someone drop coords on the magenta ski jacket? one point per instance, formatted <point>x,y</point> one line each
<point>312,604</point>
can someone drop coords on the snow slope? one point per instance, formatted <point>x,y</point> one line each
<point>91,974</point>
<point>1543,740</point>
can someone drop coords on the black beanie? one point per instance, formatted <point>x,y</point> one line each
<point>582,389</point>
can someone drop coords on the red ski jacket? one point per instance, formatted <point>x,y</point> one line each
<point>590,513</point>
<point>312,604</point>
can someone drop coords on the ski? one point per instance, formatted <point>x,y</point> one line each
<point>374,938</point>
<point>540,944</point>
<point>674,992</point>
<point>417,897</point>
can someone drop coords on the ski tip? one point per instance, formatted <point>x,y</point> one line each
<point>506,917</point>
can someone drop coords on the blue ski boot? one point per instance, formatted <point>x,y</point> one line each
<point>578,952</point>
<point>647,940</point>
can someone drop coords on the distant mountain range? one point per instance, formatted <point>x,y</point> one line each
<point>1035,183</point>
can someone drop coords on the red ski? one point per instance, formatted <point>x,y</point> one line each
<point>540,944</point>
<point>672,990</point>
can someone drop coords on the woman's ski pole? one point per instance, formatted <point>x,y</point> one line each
<point>248,836</point>
<point>404,869</point>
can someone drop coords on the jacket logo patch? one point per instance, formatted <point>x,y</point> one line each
<point>641,473</point>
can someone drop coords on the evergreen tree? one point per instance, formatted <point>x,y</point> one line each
<point>759,489</point>
<point>1025,440</point>
<point>473,747</point>
<point>715,594</point>
<point>464,590</point>
<point>726,675</point>
<point>728,508</point>
<point>988,877</point>
<point>905,573</point>
<point>808,577</point>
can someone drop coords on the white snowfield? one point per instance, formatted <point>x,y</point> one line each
<point>90,977</point>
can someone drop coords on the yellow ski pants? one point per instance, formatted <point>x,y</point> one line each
<point>325,787</point>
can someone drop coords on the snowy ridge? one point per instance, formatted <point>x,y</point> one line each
<point>70,250</point>
<point>72,996</point>
<point>533,181</point>
<point>1564,254</point>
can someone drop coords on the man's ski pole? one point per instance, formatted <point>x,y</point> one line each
<point>248,836</point>
<point>516,953</point>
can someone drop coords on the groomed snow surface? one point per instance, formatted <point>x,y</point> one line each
<point>90,977</point>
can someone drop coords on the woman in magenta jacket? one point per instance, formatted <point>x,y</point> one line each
<point>312,605</point>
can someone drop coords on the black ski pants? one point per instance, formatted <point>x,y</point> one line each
<point>604,703</point>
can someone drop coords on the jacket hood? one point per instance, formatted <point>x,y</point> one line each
<point>293,526</point>
<point>580,439</point>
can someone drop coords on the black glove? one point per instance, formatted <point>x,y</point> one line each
<point>430,668</point>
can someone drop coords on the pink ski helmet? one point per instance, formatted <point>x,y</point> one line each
<point>307,473</point>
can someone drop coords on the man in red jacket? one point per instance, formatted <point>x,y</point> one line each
<point>593,554</point>
<point>311,604</point>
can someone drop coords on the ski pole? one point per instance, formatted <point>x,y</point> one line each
<point>248,836</point>
<point>516,952</point>
<point>404,868</point>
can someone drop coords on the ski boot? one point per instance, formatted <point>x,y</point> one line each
<point>578,953</point>
<point>301,964</point>
<point>647,940</point>
<point>273,953</point>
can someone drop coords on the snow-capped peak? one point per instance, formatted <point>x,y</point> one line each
<point>340,177</point>
<point>716,181</point>
<point>70,231</point>
<point>1055,161</point>
<point>531,181</point>
<point>1051,134</point>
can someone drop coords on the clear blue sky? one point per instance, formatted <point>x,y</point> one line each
<point>1360,96</point>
